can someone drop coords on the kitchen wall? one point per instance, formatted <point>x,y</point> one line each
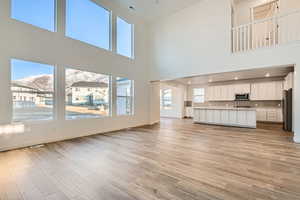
<point>23,41</point>
<point>178,97</point>
<point>232,103</point>
<point>197,41</point>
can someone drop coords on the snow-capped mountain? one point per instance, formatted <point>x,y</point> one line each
<point>41,82</point>
<point>45,82</point>
<point>73,76</point>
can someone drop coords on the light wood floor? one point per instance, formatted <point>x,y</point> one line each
<point>176,160</point>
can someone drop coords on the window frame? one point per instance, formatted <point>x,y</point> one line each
<point>110,88</point>
<point>132,57</point>
<point>54,95</point>
<point>163,100</point>
<point>55,20</point>
<point>198,95</point>
<point>110,48</point>
<point>132,96</point>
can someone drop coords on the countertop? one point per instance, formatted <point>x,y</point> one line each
<point>224,108</point>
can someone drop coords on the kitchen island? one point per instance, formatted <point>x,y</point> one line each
<point>226,116</point>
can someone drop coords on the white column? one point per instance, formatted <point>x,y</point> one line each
<point>296,103</point>
<point>154,102</point>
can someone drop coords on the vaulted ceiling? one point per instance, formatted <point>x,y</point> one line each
<point>153,9</point>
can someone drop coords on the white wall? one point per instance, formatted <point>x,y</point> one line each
<point>154,102</point>
<point>197,41</point>
<point>178,97</point>
<point>23,41</point>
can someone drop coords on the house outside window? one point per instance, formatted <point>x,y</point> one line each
<point>87,94</point>
<point>125,95</point>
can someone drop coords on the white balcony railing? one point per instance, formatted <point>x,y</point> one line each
<point>269,32</point>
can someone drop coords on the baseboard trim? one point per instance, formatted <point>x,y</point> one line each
<point>26,145</point>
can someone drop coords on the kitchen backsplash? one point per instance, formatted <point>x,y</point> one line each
<point>246,103</point>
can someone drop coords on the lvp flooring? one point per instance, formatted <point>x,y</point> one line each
<point>175,160</point>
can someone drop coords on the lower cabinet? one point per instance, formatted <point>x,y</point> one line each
<point>226,117</point>
<point>269,115</point>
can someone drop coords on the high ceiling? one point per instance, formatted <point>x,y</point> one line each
<point>240,75</point>
<point>153,9</point>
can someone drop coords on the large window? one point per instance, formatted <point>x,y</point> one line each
<point>40,13</point>
<point>124,96</point>
<point>124,38</point>
<point>32,89</point>
<point>166,99</point>
<point>87,94</point>
<point>88,22</point>
<point>198,95</point>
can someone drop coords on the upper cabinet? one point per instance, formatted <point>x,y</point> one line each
<point>266,91</point>
<point>241,89</point>
<point>226,92</point>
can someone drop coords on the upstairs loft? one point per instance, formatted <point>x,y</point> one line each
<point>266,25</point>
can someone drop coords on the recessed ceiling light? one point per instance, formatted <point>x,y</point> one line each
<point>236,78</point>
<point>267,75</point>
<point>209,80</point>
<point>131,7</point>
<point>189,82</point>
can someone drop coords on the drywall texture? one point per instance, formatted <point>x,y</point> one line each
<point>197,41</point>
<point>23,41</point>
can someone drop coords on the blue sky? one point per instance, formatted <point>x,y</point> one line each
<point>124,38</point>
<point>36,12</point>
<point>85,21</point>
<point>22,69</point>
<point>88,22</point>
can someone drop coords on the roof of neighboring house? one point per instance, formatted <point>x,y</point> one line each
<point>86,84</point>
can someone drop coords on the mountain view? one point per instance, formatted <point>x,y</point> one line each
<point>45,82</point>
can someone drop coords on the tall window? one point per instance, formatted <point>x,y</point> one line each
<point>124,96</point>
<point>166,98</point>
<point>40,13</point>
<point>124,38</point>
<point>198,95</point>
<point>32,89</point>
<point>88,22</point>
<point>87,94</point>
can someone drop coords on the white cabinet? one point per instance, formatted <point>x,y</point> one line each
<point>258,91</point>
<point>261,115</point>
<point>226,92</point>
<point>210,116</point>
<point>216,116</point>
<point>242,118</point>
<point>202,115</point>
<point>266,91</point>
<point>232,117</point>
<point>241,89</point>
<point>269,114</point>
<point>226,116</point>
<point>251,118</point>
